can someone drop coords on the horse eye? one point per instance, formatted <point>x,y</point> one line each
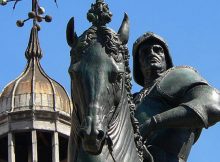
<point>74,68</point>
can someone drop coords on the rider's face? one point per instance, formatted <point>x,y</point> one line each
<point>152,58</point>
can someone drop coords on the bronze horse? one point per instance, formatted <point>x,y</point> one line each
<point>103,123</point>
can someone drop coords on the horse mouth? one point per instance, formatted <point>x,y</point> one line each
<point>93,147</point>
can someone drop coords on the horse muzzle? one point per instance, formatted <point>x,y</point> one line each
<point>92,138</point>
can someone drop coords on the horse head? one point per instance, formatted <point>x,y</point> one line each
<point>99,58</point>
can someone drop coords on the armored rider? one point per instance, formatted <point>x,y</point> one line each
<point>174,104</point>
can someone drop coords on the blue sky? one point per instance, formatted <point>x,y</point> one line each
<point>191,29</point>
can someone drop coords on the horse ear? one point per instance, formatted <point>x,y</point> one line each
<point>71,36</point>
<point>124,30</point>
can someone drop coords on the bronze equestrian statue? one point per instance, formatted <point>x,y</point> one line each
<point>174,104</point>
<point>172,108</point>
<point>103,125</point>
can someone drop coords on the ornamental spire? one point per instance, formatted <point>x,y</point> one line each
<point>37,16</point>
<point>33,50</point>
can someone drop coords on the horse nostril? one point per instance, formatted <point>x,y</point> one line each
<point>100,135</point>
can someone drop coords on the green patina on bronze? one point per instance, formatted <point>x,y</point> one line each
<point>174,104</point>
<point>172,108</point>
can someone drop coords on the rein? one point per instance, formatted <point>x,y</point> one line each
<point>114,116</point>
<point>116,109</point>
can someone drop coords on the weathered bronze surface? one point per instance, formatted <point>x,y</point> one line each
<point>174,104</point>
<point>172,108</point>
<point>100,79</point>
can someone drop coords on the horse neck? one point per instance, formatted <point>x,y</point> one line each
<point>122,135</point>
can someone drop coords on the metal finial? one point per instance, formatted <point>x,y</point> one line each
<point>33,50</point>
<point>36,15</point>
<point>99,13</point>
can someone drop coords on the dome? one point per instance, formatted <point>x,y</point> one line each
<point>35,96</point>
<point>34,90</point>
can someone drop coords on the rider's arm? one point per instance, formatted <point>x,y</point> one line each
<point>200,107</point>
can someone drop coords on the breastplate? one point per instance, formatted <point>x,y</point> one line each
<point>175,141</point>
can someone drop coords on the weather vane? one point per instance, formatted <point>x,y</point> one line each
<point>37,13</point>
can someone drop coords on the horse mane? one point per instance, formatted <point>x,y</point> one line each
<point>114,47</point>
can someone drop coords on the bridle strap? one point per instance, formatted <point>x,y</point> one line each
<point>118,108</point>
<point>111,122</point>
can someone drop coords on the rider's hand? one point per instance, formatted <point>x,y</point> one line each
<point>147,128</point>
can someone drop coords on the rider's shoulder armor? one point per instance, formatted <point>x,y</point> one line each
<point>178,80</point>
<point>185,87</point>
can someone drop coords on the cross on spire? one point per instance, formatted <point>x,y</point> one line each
<point>36,15</point>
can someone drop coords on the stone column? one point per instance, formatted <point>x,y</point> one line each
<point>34,145</point>
<point>11,148</point>
<point>55,147</point>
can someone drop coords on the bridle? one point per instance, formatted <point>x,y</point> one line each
<point>113,119</point>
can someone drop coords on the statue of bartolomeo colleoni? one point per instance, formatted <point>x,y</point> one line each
<point>174,104</point>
